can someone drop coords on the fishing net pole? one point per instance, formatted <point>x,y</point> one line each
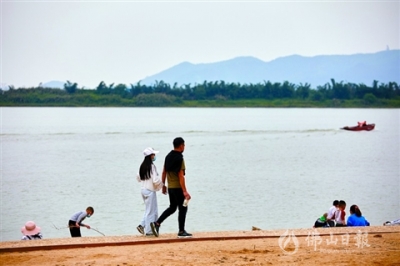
<point>64,227</point>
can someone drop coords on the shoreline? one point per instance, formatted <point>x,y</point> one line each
<point>101,241</point>
<point>379,245</point>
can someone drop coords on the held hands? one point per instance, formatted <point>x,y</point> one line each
<point>85,225</point>
<point>164,190</point>
<point>187,195</point>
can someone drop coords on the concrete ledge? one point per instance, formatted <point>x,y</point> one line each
<point>89,242</point>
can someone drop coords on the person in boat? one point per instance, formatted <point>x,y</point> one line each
<point>362,123</point>
<point>31,231</point>
<point>356,218</point>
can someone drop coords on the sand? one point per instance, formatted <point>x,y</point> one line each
<point>375,245</point>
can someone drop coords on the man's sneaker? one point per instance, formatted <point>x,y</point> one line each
<point>183,234</point>
<point>140,229</point>
<point>155,227</point>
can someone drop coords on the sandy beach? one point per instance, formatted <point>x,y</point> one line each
<point>375,245</point>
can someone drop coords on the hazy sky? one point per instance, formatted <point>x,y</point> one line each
<point>124,41</point>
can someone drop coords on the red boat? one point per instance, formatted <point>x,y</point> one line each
<point>367,127</point>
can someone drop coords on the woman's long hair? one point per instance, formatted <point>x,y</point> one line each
<point>356,210</point>
<point>145,168</point>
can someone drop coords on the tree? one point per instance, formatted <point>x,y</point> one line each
<point>287,89</point>
<point>369,98</point>
<point>161,87</point>
<point>70,87</point>
<point>303,91</point>
<point>266,90</point>
<point>102,88</point>
<point>199,92</point>
<point>316,96</point>
<point>339,90</point>
<point>120,90</point>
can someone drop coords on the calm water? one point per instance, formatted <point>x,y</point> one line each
<point>271,168</point>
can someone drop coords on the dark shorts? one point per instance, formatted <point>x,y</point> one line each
<point>320,224</point>
<point>75,231</point>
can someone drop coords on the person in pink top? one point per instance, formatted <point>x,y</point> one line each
<point>362,123</point>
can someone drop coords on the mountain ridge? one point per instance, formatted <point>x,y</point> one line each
<point>383,66</point>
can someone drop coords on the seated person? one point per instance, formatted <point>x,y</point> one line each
<point>321,221</point>
<point>356,218</point>
<point>340,214</point>
<point>362,123</point>
<point>395,222</point>
<point>331,213</point>
<point>31,231</point>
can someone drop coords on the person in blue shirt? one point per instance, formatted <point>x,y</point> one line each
<point>75,222</point>
<point>356,218</point>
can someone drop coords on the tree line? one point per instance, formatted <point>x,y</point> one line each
<point>164,94</point>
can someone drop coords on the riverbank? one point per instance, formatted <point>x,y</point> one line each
<point>339,246</point>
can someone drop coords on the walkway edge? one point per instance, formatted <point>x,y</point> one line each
<point>159,241</point>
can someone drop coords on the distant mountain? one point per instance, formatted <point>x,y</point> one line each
<point>4,86</point>
<point>54,84</point>
<point>318,70</point>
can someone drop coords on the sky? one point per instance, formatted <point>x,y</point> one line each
<point>88,42</point>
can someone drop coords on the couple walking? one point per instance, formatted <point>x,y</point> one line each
<point>174,173</point>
